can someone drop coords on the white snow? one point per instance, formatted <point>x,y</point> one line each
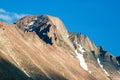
<point>81,49</point>
<point>75,42</point>
<point>106,72</point>
<point>98,60</point>
<point>35,18</point>
<point>44,34</point>
<point>90,72</point>
<point>31,23</point>
<point>31,29</point>
<point>118,72</point>
<point>67,36</point>
<point>26,73</point>
<point>118,63</point>
<point>82,61</point>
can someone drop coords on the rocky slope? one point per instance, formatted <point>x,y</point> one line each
<point>40,48</point>
<point>100,63</point>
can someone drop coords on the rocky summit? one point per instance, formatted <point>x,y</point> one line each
<point>41,48</point>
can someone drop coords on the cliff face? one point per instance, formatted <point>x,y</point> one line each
<point>40,48</point>
<point>99,62</point>
<point>83,40</point>
<point>50,29</point>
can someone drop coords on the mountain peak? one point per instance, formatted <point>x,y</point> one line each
<point>50,29</point>
<point>42,48</point>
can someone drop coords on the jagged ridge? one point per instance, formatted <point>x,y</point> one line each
<point>43,40</point>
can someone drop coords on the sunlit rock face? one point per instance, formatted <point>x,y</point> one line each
<point>41,48</point>
<point>50,29</point>
<point>95,59</point>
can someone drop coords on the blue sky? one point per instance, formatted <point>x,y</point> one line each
<point>98,19</point>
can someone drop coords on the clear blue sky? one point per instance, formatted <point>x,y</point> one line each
<point>99,19</point>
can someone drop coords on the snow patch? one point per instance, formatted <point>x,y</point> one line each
<point>118,63</point>
<point>67,36</point>
<point>90,72</point>
<point>105,72</point>
<point>31,29</point>
<point>35,18</point>
<point>98,60</point>
<point>118,72</point>
<point>44,34</point>
<point>81,49</point>
<point>82,61</point>
<point>31,23</point>
<point>26,73</point>
<point>75,42</point>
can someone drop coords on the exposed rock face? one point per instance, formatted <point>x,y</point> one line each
<point>118,59</point>
<point>97,59</point>
<point>84,41</point>
<point>40,48</point>
<point>50,29</point>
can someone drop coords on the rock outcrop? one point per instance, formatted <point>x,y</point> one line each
<point>50,29</point>
<point>97,59</point>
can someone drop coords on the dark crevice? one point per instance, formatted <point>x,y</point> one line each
<point>41,28</point>
<point>111,58</point>
<point>102,51</point>
<point>93,53</point>
<point>118,59</point>
<point>43,34</point>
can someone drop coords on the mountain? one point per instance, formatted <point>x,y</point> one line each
<point>41,48</point>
